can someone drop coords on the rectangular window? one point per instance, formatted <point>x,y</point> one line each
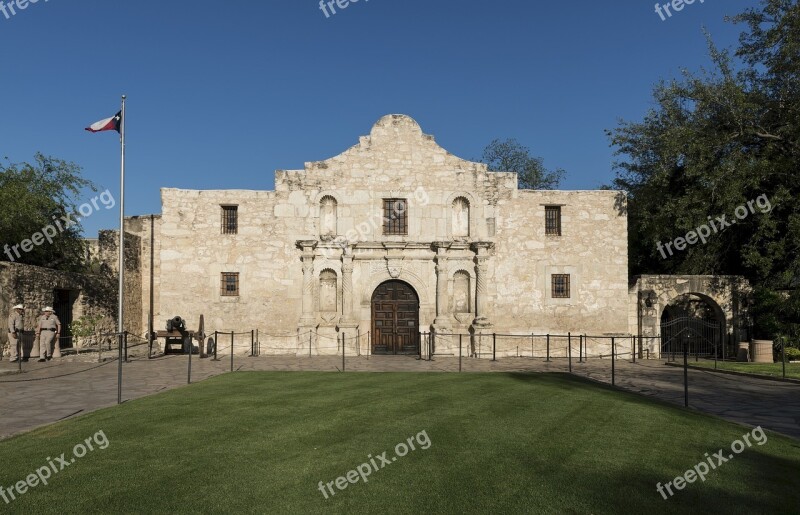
<point>560,286</point>
<point>552,220</point>
<point>395,217</point>
<point>230,284</point>
<point>230,219</point>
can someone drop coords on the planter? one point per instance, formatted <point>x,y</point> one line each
<point>743,354</point>
<point>761,351</point>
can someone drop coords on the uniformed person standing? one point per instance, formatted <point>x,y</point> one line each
<point>48,330</point>
<point>15,329</point>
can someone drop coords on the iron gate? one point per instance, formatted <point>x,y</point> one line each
<point>699,337</point>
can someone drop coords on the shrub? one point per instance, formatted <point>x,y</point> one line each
<point>792,354</point>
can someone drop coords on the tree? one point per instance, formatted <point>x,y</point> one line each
<point>39,199</point>
<point>714,142</point>
<point>511,156</point>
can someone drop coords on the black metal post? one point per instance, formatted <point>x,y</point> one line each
<point>580,348</point>
<point>191,348</point>
<point>216,339</point>
<point>252,343</point>
<point>715,356</point>
<point>19,353</point>
<point>685,375</point>
<point>343,344</point>
<point>783,355</point>
<point>231,351</point>
<point>613,362</point>
<point>548,348</point>
<point>569,350</point>
<point>419,344</point>
<point>119,370</point>
<point>459,353</point>
<point>149,336</point>
<point>494,347</point>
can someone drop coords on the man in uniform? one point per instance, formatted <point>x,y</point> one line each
<point>15,329</point>
<point>48,330</point>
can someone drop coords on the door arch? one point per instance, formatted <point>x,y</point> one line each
<point>395,319</point>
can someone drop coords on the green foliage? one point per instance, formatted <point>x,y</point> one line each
<point>716,140</point>
<point>86,326</point>
<point>792,354</point>
<point>511,156</point>
<point>33,196</point>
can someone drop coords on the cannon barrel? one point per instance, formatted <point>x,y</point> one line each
<point>176,324</point>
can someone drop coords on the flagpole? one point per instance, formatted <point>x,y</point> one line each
<point>120,324</point>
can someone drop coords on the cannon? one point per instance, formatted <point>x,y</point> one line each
<point>177,335</point>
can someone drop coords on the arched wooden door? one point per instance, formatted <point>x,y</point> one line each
<point>395,319</point>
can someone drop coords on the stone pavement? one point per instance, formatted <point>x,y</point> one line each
<point>49,392</point>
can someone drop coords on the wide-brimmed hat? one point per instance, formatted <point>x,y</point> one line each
<point>48,308</point>
<point>18,306</point>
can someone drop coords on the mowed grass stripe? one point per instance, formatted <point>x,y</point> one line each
<point>255,442</point>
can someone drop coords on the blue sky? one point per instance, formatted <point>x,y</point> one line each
<point>221,94</point>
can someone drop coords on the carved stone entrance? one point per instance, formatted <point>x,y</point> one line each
<point>395,319</point>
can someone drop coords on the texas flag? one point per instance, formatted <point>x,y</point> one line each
<point>109,124</point>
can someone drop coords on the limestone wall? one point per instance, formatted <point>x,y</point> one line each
<point>395,161</point>
<point>132,289</point>
<point>34,287</point>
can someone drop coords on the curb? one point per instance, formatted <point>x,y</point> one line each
<point>735,373</point>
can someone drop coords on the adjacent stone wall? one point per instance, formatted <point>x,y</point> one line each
<point>132,288</point>
<point>34,287</point>
<point>649,295</point>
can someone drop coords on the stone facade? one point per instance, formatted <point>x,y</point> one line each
<point>310,255</point>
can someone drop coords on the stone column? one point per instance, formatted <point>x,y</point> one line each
<point>442,315</point>
<point>347,287</point>
<point>482,275</point>
<point>308,246</point>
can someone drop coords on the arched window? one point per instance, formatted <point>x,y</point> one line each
<point>327,291</point>
<point>327,217</point>
<point>460,218</point>
<point>461,292</point>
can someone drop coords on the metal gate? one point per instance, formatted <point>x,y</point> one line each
<point>699,337</point>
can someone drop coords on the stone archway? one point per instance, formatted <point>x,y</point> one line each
<point>652,294</point>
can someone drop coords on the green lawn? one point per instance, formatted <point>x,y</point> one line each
<point>764,369</point>
<point>499,443</point>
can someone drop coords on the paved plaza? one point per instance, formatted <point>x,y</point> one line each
<point>53,391</point>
